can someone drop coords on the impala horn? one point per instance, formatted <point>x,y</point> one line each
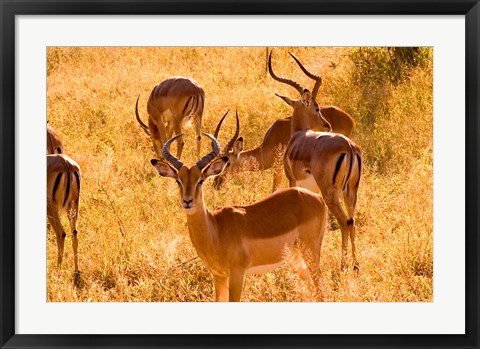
<point>210,156</point>
<point>235,136</point>
<point>169,157</point>
<point>142,124</point>
<point>215,134</point>
<point>292,83</point>
<point>317,78</point>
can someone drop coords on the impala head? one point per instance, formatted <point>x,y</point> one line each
<point>307,106</point>
<point>232,150</point>
<point>190,180</point>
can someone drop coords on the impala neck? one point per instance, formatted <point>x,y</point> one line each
<point>299,121</point>
<point>200,227</point>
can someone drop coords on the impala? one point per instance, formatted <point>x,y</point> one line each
<point>54,142</point>
<point>63,194</point>
<point>233,241</point>
<point>271,149</point>
<point>171,103</point>
<point>321,161</point>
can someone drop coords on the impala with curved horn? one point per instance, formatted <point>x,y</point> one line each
<point>320,161</point>
<point>54,142</point>
<point>171,103</point>
<point>275,140</point>
<point>233,241</point>
<point>63,194</point>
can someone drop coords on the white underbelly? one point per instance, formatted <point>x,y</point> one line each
<point>308,183</point>
<point>262,269</point>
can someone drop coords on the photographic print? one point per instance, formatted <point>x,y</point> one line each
<point>253,174</point>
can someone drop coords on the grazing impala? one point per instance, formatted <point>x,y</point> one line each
<point>63,194</point>
<point>324,161</point>
<point>171,103</point>
<point>236,240</point>
<point>54,142</point>
<point>266,155</point>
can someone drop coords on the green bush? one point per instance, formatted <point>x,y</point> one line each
<point>374,65</point>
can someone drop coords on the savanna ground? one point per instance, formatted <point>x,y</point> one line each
<point>134,243</point>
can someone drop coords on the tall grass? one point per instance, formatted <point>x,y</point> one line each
<point>134,243</point>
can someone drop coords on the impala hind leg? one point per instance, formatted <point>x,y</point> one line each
<point>311,261</point>
<point>310,248</point>
<point>237,278</point>
<point>350,200</point>
<point>221,288</point>
<point>73,216</point>
<point>296,261</point>
<point>198,130</point>
<point>54,219</point>
<point>299,265</point>
<point>291,180</point>
<point>180,142</point>
<point>333,202</point>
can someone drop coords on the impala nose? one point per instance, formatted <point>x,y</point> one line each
<point>187,203</point>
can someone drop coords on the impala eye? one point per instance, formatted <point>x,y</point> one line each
<point>200,182</point>
<point>178,182</point>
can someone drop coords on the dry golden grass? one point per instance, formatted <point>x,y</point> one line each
<point>134,243</point>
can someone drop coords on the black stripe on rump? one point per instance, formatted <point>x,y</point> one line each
<point>359,169</point>
<point>67,190</point>
<point>337,166</point>
<point>350,167</point>
<point>55,186</point>
<point>201,104</point>
<point>186,105</point>
<point>77,176</point>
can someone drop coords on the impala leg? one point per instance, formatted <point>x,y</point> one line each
<point>54,220</point>
<point>237,278</point>
<point>286,169</point>
<point>291,181</point>
<point>60,234</point>
<point>198,129</point>
<point>298,264</point>
<point>317,280</point>
<point>180,143</point>
<point>221,288</point>
<point>350,200</point>
<point>356,265</point>
<point>311,250</point>
<point>61,246</point>
<point>333,203</point>
<point>73,216</point>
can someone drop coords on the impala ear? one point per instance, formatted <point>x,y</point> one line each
<point>286,100</point>
<point>215,167</point>
<point>164,169</point>
<point>306,97</point>
<point>238,146</point>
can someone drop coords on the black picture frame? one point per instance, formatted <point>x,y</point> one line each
<point>11,8</point>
